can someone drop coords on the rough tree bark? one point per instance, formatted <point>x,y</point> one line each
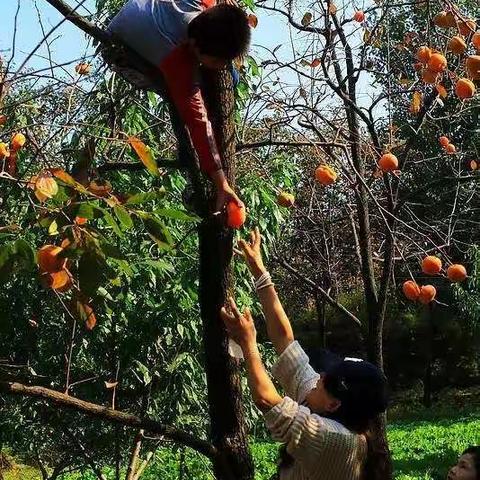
<point>228,430</point>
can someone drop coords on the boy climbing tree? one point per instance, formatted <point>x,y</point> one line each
<point>180,36</point>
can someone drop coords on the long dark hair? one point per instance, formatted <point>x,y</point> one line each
<point>358,420</point>
<point>376,464</point>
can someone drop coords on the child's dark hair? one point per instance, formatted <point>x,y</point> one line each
<point>475,453</point>
<point>221,32</point>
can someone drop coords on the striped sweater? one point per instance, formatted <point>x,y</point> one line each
<point>323,449</point>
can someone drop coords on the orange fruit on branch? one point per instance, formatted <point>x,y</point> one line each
<point>388,162</point>
<point>472,65</point>
<point>444,141</point>
<point>465,88</point>
<point>444,20</point>
<point>467,27</point>
<point>437,63</point>
<point>285,199</point>
<point>325,175</point>
<point>359,16</point>
<point>451,148</point>
<point>4,150</point>
<point>472,165</point>
<point>430,77</point>
<point>427,294</point>
<point>431,265</point>
<point>60,281</point>
<point>411,290</point>
<point>49,259</point>
<point>456,273</point>
<point>423,54</point>
<point>18,141</point>
<point>457,45</point>
<point>236,215</point>
<point>476,40</point>
<point>83,68</point>
<point>80,220</point>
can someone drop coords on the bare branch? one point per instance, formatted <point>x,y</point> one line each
<point>113,416</point>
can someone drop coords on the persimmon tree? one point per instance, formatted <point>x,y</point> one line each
<point>375,89</point>
<point>102,247</point>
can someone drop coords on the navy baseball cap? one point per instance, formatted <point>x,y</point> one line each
<point>358,384</point>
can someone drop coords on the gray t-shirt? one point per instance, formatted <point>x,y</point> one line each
<point>154,28</point>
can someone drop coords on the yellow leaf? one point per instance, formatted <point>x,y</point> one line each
<point>332,9</point>
<point>416,102</point>
<point>46,186</point>
<point>53,228</point>
<point>145,154</point>
<point>366,35</point>
<point>441,90</point>
<point>63,176</point>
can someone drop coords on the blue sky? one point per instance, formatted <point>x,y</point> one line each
<point>69,43</point>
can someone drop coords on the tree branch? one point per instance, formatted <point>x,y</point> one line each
<point>112,416</point>
<point>81,22</point>
<point>318,289</point>
<point>135,166</point>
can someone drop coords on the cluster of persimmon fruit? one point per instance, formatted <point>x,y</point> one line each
<point>432,265</point>
<point>9,152</point>
<point>432,64</point>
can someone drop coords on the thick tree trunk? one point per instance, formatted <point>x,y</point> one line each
<point>228,430</point>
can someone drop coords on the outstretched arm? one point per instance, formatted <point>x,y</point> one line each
<point>242,329</point>
<point>178,72</point>
<point>279,328</point>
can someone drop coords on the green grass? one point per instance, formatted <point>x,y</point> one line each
<point>422,450</point>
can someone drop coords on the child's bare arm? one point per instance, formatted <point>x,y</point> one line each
<point>278,325</point>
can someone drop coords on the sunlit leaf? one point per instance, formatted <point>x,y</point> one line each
<point>123,216</point>
<point>46,185</point>
<point>63,176</point>
<point>442,91</point>
<point>145,154</point>
<point>416,102</point>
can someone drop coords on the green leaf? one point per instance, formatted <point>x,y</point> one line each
<point>87,210</point>
<point>160,265</point>
<point>158,232</point>
<point>7,257</point>
<point>24,251</point>
<point>144,197</point>
<point>176,214</point>
<point>143,370</point>
<point>176,363</point>
<point>123,216</point>
<point>93,271</point>
<point>110,220</point>
<point>112,251</point>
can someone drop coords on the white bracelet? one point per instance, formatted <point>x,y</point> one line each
<point>266,285</point>
<point>262,279</point>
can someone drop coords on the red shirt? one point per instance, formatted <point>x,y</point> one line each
<point>178,69</point>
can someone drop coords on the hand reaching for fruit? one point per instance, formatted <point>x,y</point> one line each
<point>240,327</point>
<point>251,252</point>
